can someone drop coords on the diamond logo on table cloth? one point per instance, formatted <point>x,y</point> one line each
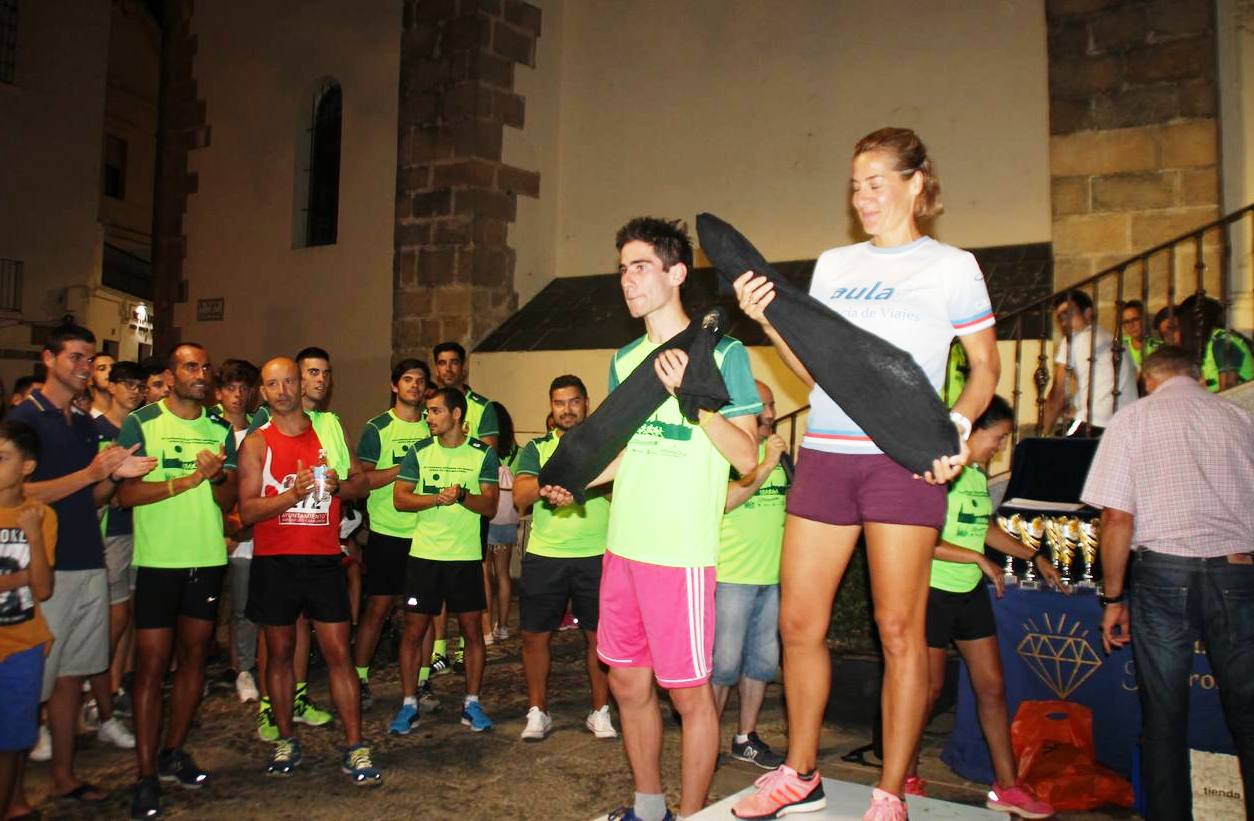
<point>1061,656</point>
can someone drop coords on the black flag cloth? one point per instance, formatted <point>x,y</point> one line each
<point>879,385</point>
<point>586,449</point>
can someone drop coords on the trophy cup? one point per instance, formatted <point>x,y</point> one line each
<point>1011,526</point>
<point>1089,531</point>
<point>1031,533</point>
<point>1069,534</point>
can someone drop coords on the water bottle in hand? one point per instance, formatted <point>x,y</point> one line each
<point>320,494</point>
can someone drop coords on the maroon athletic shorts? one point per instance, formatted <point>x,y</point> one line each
<point>850,489</point>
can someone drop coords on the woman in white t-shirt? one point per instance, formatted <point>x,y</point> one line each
<point>918,294</point>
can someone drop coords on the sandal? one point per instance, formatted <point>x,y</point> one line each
<point>80,794</point>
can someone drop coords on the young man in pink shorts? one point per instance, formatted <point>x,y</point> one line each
<point>670,486</point>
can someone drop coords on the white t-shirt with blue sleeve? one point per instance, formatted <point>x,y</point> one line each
<point>917,296</point>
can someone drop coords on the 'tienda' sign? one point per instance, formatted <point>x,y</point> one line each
<point>210,310</point>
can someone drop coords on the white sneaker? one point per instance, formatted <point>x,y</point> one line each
<point>42,751</point>
<point>89,717</point>
<point>600,724</point>
<point>538,725</point>
<point>246,687</point>
<point>500,633</point>
<point>114,732</point>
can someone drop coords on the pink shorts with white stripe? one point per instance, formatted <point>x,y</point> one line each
<point>656,616</point>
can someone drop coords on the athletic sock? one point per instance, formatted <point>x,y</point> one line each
<point>742,738</point>
<point>301,686</point>
<point>649,807</point>
<point>424,673</point>
<point>410,701</point>
<point>808,776</point>
<point>264,704</point>
<point>461,642</point>
<point>470,699</point>
<point>438,647</point>
<point>363,673</point>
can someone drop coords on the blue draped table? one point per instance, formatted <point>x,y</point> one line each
<point>1051,649</point>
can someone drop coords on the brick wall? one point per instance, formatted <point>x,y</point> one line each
<point>453,268</point>
<point>181,128</point>
<point>1134,146</point>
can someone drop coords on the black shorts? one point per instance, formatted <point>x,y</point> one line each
<point>281,588</point>
<point>959,616</point>
<point>548,584</point>
<point>430,584</point>
<point>163,594</point>
<point>385,564</point>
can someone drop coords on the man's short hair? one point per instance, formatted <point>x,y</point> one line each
<point>154,366</point>
<point>68,332</point>
<point>311,352</point>
<point>445,347</point>
<point>453,399</point>
<point>23,384</point>
<point>998,410</point>
<point>668,238</point>
<point>22,436</point>
<point>406,365</point>
<point>1082,300</point>
<point>568,380</point>
<point>238,370</point>
<point>174,349</point>
<point>1171,360</point>
<point>126,371</point>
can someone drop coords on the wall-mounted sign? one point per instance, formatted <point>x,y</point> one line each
<point>210,310</point>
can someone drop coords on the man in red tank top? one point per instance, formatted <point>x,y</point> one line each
<point>293,502</point>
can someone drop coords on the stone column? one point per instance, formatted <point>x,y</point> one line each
<point>1134,146</point>
<point>453,270</point>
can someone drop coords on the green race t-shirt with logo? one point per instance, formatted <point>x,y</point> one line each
<point>384,443</point>
<point>967,514</point>
<point>1227,352</point>
<point>448,533</point>
<point>671,486</point>
<point>753,533</point>
<point>570,532</point>
<point>481,418</point>
<point>183,530</point>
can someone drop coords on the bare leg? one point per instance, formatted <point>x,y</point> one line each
<point>17,803</point>
<point>62,722</point>
<point>416,624</point>
<point>935,683</point>
<point>983,660</point>
<point>536,664</point>
<point>119,642</point>
<point>300,653</point>
<point>10,765</point>
<point>370,626</point>
<point>720,698</point>
<point>345,689</point>
<point>500,572</point>
<point>488,614</point>
<point>752,694</point>
<point>814,559</point>
<point>153,648</point>
<point>103,694</point>
<point>263,656</point>
<point>642,725</point>
<point>596,671</point>
<point>699,745</point>
<point>441,626</point>
<point>899,557</point>
<point>428,646</point>
<point>191,645</point>
<point>280,642</point>
<point>476,652</point>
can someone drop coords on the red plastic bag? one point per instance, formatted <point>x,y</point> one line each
<point>1053,741</point>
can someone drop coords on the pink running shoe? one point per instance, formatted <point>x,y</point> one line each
<point>916,786</point>
<point>885,807</point>
<point>1018,800</point>
<point>781,792</point>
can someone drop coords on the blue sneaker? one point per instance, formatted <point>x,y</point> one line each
<point>358,765</point>
<point>285,758</point>
<point>629,814</point>
<point>406,720</point>
<point>474,717</point>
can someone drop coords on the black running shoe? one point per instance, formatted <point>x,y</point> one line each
<point>146,801</point>
<point>177,765</point>
<point>757,752</point>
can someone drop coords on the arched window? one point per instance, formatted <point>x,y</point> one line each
<point>322,205</point>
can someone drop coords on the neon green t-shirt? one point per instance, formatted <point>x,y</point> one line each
<point>1227,352</point>
<point>956,371</point>
<point>570,532</point>
<point>967,514</point>
<point>448,533</point>
<point>384,442</point>
<point>481,418</point>
<point>672,483</point>
<point>183,530</point>
<point>753,533</point>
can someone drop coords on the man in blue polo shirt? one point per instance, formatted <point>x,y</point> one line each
<point>75,476</point>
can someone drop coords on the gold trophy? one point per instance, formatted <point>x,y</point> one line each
<point>1011,525</point>
<point>1069,534</point>
<point>1031,533</point>
<point>1090,530</point>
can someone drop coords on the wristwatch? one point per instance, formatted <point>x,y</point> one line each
<point>1105,600</point>
<point>462,493</point>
